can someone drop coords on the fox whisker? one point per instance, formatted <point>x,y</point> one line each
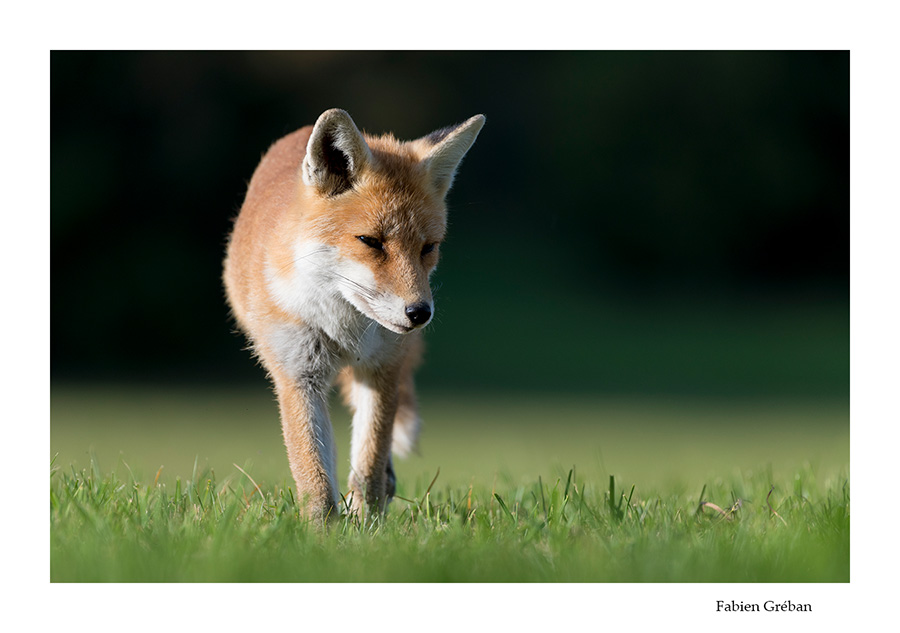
<point>371,324</point>
<point>297,260</point>
<point>368,293</point>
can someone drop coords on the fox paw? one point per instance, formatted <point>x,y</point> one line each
<point>391,482</point>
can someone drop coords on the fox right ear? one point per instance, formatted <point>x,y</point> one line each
<point>336,153</point>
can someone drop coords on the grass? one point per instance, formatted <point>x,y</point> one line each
<point>108,529</point>
<point>552,490</point>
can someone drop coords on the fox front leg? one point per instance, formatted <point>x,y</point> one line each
<point>310,446</point>
<point>372,481</point>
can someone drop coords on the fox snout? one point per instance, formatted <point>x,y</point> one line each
<point>419,313</point>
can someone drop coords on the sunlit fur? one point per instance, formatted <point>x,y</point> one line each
<point>316,301</point>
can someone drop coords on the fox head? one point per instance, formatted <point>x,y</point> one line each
<point>378,206</point>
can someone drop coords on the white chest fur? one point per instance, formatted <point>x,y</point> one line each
<point>333,332</point>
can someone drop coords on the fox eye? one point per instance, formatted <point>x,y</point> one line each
<point>428,248</point>
<point>371,242</point>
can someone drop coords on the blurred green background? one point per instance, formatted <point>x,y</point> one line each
<point>661,229</point>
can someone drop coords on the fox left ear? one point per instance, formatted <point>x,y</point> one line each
<point>445,148</point>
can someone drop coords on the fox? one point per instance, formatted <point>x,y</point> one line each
<point>327,273</point>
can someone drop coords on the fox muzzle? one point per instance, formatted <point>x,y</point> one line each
<point>418,313</point>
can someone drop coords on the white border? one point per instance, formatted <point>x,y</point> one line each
<point>863,27</point>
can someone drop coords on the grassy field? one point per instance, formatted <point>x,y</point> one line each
<point>155,485</point>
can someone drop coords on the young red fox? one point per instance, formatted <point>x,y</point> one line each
<point>327,274</point>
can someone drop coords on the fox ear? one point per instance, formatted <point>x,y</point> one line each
<point>445,148</point>
<point>336,153</point>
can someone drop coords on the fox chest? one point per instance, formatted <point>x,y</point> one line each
<point>329,332</point>
<point>309,354</point>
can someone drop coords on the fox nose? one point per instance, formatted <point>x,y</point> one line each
<point>418,313</point>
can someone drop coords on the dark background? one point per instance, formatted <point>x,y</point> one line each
<point>634,223</point>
